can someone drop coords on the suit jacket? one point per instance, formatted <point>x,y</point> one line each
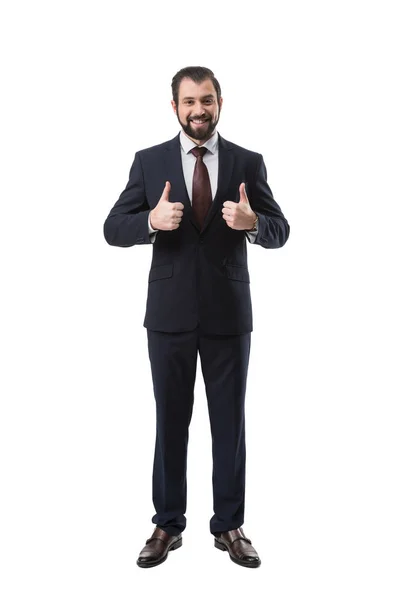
<point>197,277</point>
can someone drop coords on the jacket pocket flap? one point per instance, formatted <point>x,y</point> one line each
<point>238,273</point>
<point>160,272</point>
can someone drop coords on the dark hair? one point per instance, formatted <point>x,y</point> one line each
<point>196,74</point>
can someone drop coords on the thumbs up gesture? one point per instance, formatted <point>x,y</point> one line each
<point>166,215</point>
<point>239,215</point>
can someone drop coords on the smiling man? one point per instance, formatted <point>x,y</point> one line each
<point>199,200</point>
<point>198,109</point>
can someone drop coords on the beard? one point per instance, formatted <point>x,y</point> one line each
<point>199,134</point>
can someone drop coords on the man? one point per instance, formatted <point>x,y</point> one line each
<point>197,198</point>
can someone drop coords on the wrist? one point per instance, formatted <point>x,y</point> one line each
<point>254,224</point>
<point>150,221</point>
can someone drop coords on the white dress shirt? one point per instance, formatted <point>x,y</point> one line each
<point>210,159</point>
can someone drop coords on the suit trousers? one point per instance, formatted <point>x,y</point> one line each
<point>224,362</point>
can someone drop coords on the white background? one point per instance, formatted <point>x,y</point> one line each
<point>313,86</point>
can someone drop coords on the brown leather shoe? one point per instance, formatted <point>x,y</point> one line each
<point>157,548</point>
<point>239,547</point>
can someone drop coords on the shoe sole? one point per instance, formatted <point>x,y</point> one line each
<point>250,565</point>
<point>147,565</point>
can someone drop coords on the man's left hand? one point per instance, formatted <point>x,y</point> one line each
<point>239,215</point>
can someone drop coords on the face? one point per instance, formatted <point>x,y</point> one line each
<point>197,110</point>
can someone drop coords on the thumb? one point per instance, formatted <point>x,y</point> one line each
<point>166,191</point>
<point>242,193</point>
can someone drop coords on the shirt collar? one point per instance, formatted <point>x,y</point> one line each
<point>187,144</point>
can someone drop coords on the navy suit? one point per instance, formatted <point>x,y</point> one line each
<point>198,301</point>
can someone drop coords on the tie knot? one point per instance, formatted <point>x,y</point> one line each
<point>199,151</point>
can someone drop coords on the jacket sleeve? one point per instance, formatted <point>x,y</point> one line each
<point>273,228</point>
<point>127,223</point>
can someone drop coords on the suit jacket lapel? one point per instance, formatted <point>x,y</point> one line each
<point>226,161</point>
<point>174,173</point>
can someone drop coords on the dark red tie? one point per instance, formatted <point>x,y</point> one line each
<point>201,192</point>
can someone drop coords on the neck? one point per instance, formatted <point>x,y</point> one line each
<point>199,142</point>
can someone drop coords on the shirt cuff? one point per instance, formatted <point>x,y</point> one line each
<point>251,235</point>
<point>152,232</point>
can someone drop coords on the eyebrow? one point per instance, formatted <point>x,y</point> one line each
<point>203,97</point>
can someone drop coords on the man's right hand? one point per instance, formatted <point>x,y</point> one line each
<point>166,215</point>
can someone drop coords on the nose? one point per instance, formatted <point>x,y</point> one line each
<point>198,109</point>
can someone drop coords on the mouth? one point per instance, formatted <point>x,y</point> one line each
<point>199,122</point>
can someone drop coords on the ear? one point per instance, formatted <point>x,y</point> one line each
<point>173,104</point>
<point>220,102</point>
